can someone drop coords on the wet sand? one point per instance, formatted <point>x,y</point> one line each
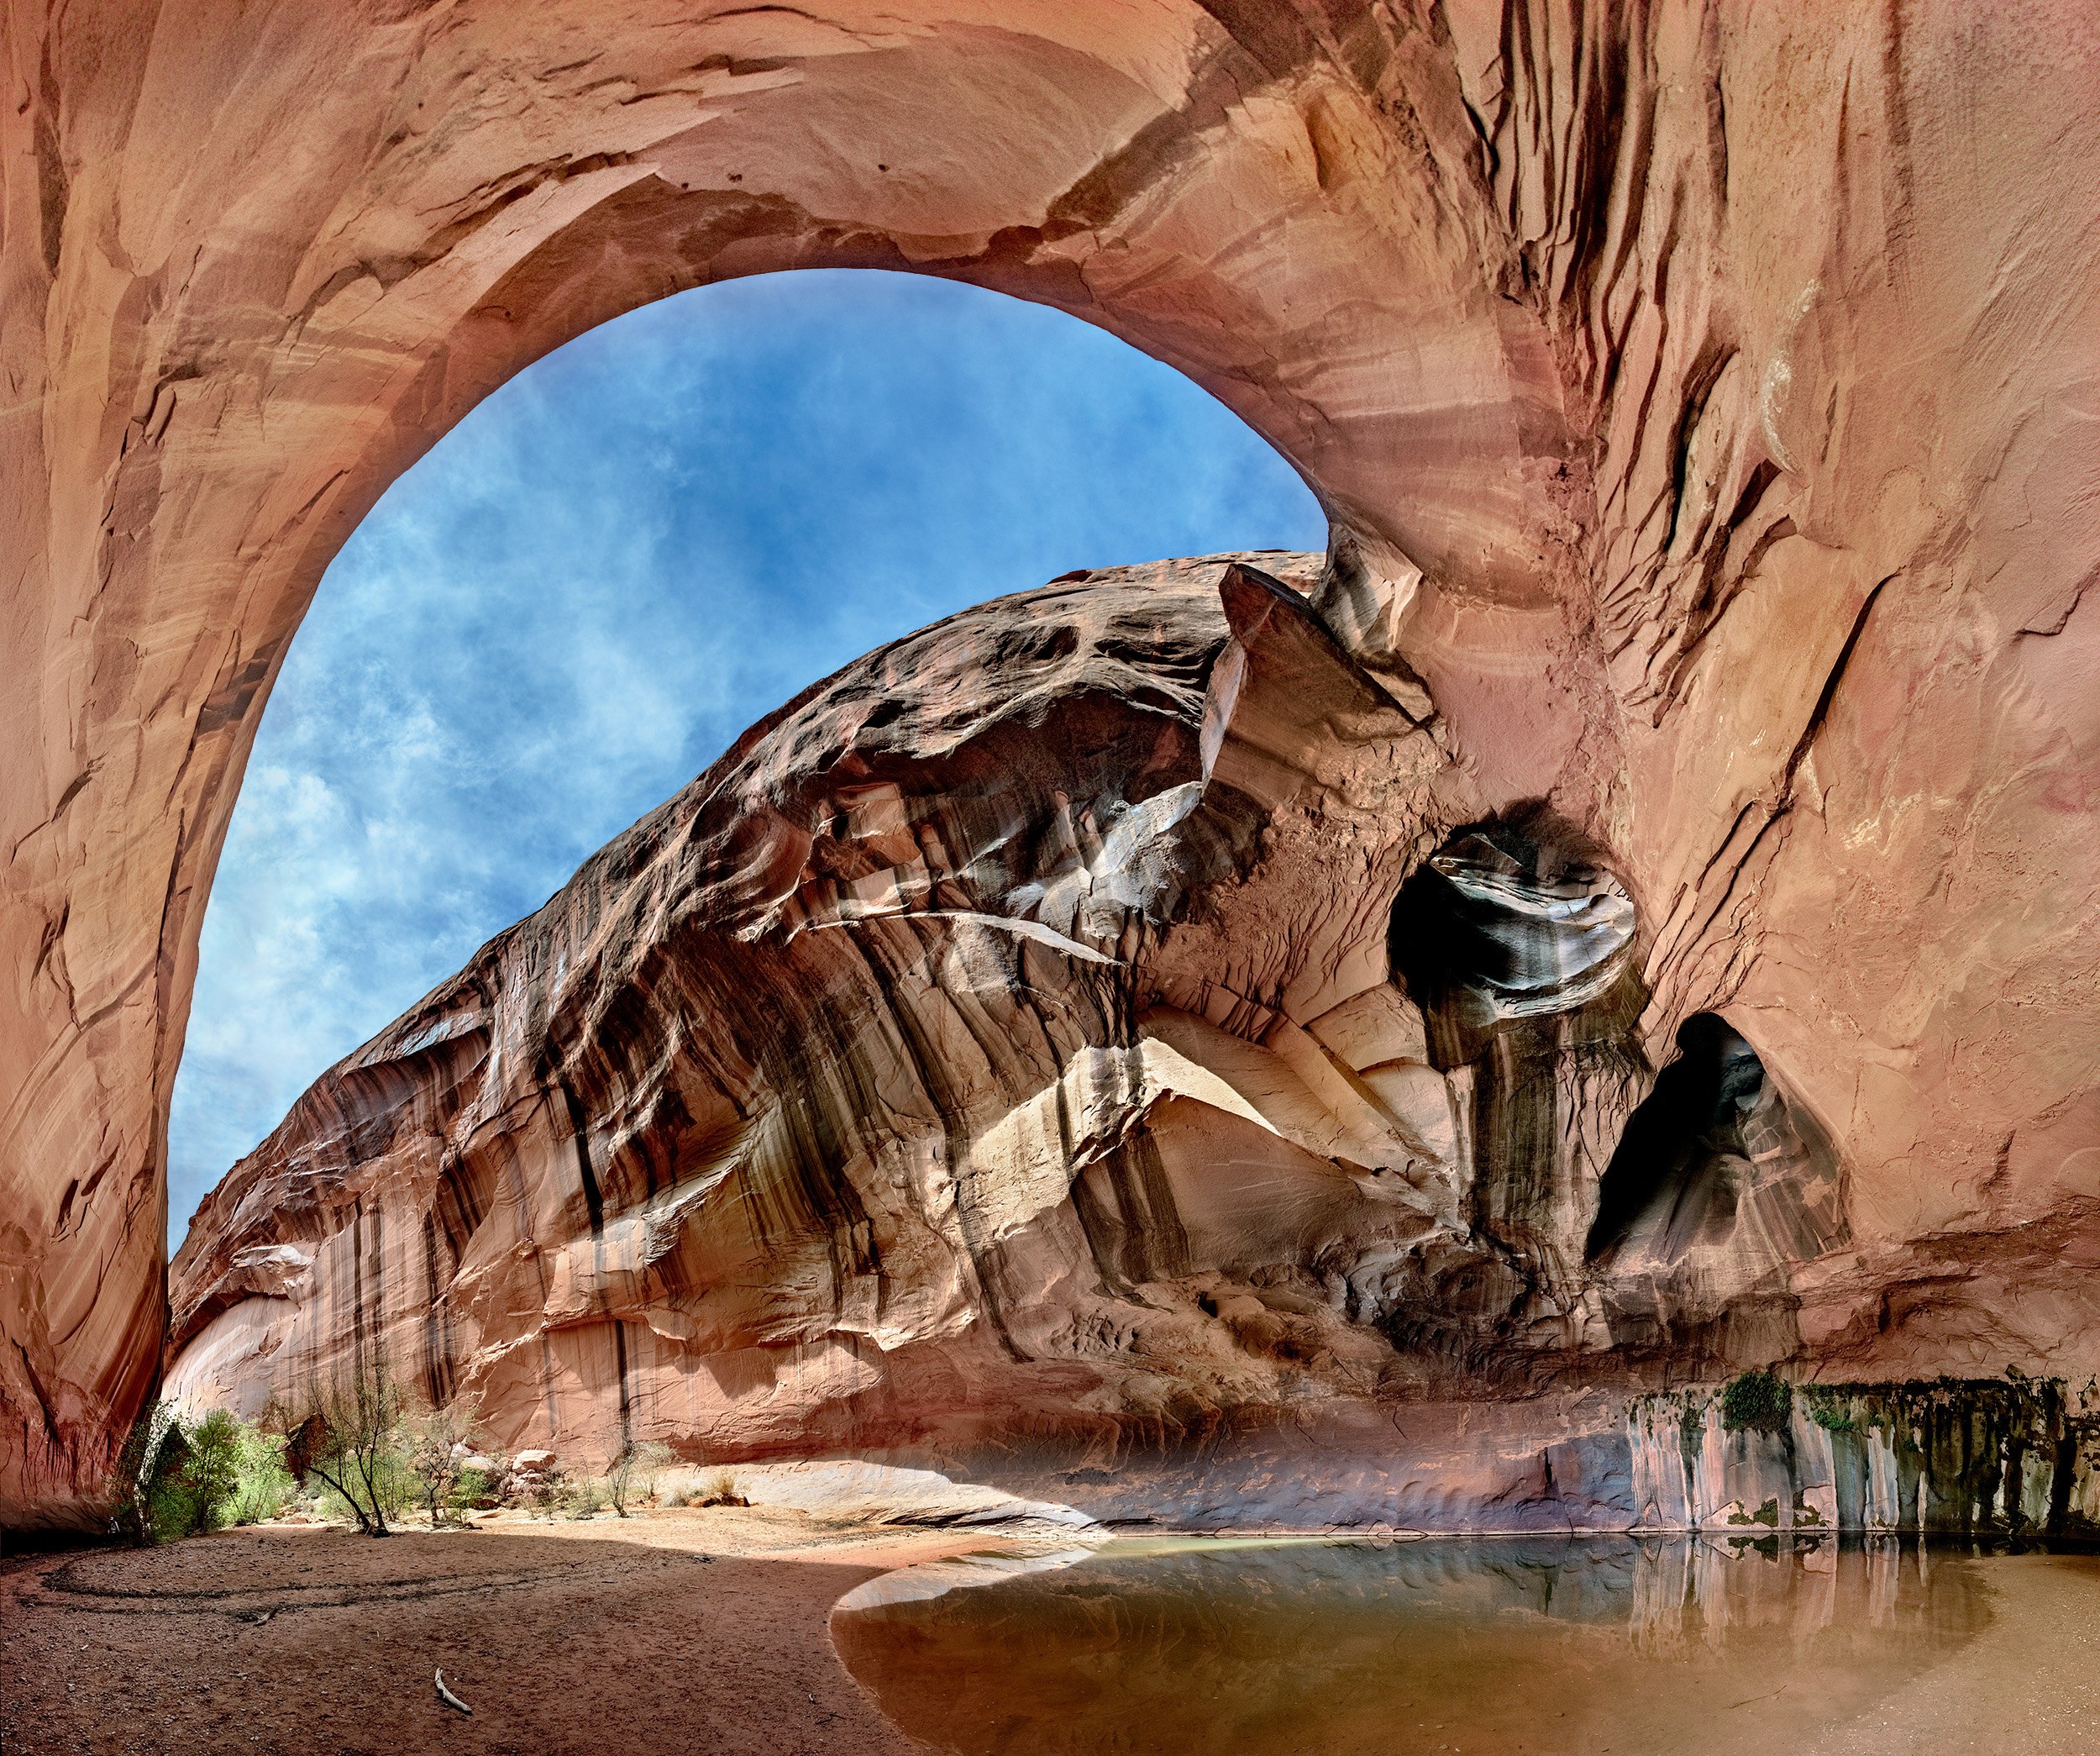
<point>675,1631</point>
<point>2030,1682</point>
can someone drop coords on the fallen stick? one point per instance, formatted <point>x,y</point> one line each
<point>449,1698</point>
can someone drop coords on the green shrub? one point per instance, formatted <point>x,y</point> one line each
<point>1832,1413</point>
<point>1756,1402</point>
<point>471,1488</point>
<point>142,1493</point>
<point>211,1472</point>
<point>172,1507</point>
<point>263,1485</point>
<point>178,1478</point>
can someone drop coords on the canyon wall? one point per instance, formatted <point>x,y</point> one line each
<point>1104,1042</point>
<point>1702,395</point>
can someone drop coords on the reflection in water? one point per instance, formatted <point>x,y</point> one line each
<point>1562,1644</point>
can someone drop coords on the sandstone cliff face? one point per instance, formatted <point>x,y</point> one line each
<point>1079,1043</point>
<point>1701,395</point>
<point>945,1061</point>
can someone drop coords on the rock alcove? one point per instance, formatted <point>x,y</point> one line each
<point>1703,433</point>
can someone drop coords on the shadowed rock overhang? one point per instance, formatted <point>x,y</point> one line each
<point>1700,396</point>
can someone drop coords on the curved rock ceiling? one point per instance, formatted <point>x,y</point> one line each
<point>1704,398</point>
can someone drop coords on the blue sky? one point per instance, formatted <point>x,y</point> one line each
<point>611,568</point>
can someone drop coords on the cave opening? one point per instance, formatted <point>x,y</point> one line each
<point>1515,938</point>
<point>1716,1157</point>
<point>1670,1170</point>
<point>1514,919</point>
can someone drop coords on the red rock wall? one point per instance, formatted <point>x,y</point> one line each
<point>1100,1041</point>
<point>1703,396</point>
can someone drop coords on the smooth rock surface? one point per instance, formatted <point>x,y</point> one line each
<point>1703,397</point>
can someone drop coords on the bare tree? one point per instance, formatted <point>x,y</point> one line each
<point>652,1460</point>
<point>354,1419</point>
<point>435,1439</point>
<point>637,1466</point>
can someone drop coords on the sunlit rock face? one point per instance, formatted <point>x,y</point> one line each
<point>1098,1040</point>
<point>1702,402</point>
<point>995,1046</point>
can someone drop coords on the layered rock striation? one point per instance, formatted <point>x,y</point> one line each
<point>1102,1042</point>
<point>942,1063</point>
<point>1701,396</point>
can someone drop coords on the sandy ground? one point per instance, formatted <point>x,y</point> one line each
<point>684,1630</point>
<point>2030,1682</point>
<point>670,1630</point>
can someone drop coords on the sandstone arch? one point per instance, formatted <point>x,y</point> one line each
<point>1725,374</point>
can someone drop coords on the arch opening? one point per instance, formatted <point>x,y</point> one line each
<point>1516,939</point>
<point>646,542</point>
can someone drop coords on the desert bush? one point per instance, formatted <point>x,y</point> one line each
<point>373,1501</point>
<point>619,1481</point>
<point>211,1470</point>
<point>435,1439</point>
<point>472,1488</point>
<point>651,1461</point>
<point>634,1473</point>
<point>177,1478</point>
<point>263,1485</point>
<point>172,1510</point>
<point>720,1489</point>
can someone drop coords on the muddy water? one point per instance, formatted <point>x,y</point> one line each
<point>1588,1645</point>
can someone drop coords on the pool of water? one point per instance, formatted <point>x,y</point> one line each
<point>1498,1645</point>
